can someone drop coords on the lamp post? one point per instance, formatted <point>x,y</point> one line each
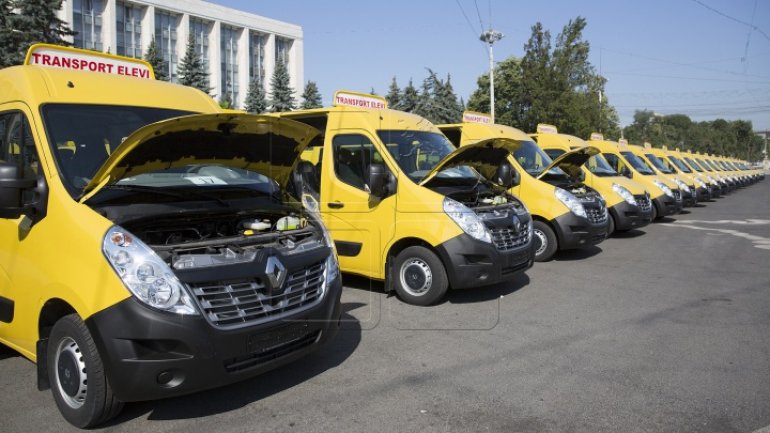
<point>491,36</point>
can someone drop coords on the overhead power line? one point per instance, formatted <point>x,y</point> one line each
<point>749,25</point>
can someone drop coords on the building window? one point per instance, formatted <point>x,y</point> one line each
<point>200,30</point>
<point>166,24</point>
<point>87,23</point>
<point>128,20</point>
<point>229,55</point>
<point>257,57</point>
<point>282,48</point>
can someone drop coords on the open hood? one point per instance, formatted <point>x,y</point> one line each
<point>571,162</point>
<point>484,156</point>
<point>263,144</point>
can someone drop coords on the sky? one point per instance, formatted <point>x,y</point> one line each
<point>708,59</point>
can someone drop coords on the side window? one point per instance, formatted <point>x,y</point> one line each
<point>554,153</point>
<point>17,144</point>
<point>613,160</point>
<point>352,156</point>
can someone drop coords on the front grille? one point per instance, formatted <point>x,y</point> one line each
<point>644,203</point>
<point>506,238</point>
<point>238,303</point>
<point>596,215</point>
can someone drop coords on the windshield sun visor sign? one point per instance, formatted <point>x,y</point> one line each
<point>597,136</point>
<point>544,128</point>
<point>473,117</point>
<point>360,100</point>
<point>84,60</point>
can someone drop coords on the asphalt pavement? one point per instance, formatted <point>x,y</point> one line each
<point>664,329</point>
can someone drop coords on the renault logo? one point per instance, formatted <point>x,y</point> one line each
<point>275,272</point>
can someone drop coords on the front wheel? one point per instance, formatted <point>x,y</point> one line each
<point>610,225</point>
<point>77,377</point>
<point>419,276</point>
<point>545,241</point>
<point>654,212</point>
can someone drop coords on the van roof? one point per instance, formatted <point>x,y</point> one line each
<point>373,119</point>
<point>479,131</point>
<point>37,85</point>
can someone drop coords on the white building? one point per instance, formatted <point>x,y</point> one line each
<point>237,46</point>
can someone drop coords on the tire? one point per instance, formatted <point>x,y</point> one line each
<point>654,210</point>
<point>76,374</point>
<point>545,240</point>
<point>610,225</point>
<point>419,276</point>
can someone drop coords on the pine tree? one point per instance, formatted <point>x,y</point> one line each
<point>282,95</point>
<point>33,22</point>
<point>225,101</point>
<point>426,103</point>
<point>311,98</point>
<point>449,109</point>
<point>394,94</point>
<point>256,99</point>
<point>154,57</point>
<point>409,98</point>
<point>192,70</point>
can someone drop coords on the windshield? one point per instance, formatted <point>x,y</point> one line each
<point>599,166</point>
<point>418,152</point>
<point>637,163</point>
<point>694,164</point>
<point>533,160</point>
<point>711,164</point>
<point>682,166</point>
<point>658,163</point>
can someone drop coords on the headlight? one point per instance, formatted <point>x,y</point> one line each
<point>571,202</point>
<point>468,221</point>
<point>145,275</point>
<point>700,183</point>
<point>332,270</point>
<point>666,190</point>
<point>624,193</point>
<point>683,186</point>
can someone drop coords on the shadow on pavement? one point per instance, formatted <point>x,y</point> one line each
<point>487,293</point>
<point>629,234</point>
<point>580,254</point>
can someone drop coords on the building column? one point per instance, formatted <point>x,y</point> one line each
<point>296,72</point>
<point>66,14</point>
<point>215,60</point>
<point>148,27</point>
<point>109,28</point>
<point>182,34</point>
<point>269,63</point>
<point>243,67</point>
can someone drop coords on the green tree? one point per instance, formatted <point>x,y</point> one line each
<point>409,98</point>
<point>282,95</point>
<point>225,101</point>
<point>394,94</point>
<point>508,93</point>
<point>256,98</point>
<point>426,106</point>
<point>26,22</point>
<point>311,97</point>
<point>450,109</point>
<point>192,69</point>
<point>154,57</point>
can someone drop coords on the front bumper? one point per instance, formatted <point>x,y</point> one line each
<point>149,354</point>
<point>689,199</point>
<point>472,263</point>
<point>703,194</point>
<point>667,206</point>
<point>577,232</point>
<point>628,216</point>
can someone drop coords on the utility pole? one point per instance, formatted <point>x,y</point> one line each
<point>491,36</point>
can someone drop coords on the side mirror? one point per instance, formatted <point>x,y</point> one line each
<point>11,186</point>
<point>377,180</point>
<point>506,176</point>
<point>625,171</point>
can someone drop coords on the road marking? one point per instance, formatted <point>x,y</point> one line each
<point>758,241</point>
<point>763,430</point>
<point>748,222</point>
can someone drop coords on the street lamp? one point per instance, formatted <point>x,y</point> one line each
<point>491,36</point>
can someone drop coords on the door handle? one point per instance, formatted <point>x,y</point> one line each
<point>336,205</point>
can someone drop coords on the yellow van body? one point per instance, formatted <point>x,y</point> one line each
<point>666,201</point>
<point>687,158</point>
<point>628,203</point>
<point>111,315</point>
<point>703,191</point>
<point>557,226</point>
<point>408,233</point>
<point>664,169</point>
